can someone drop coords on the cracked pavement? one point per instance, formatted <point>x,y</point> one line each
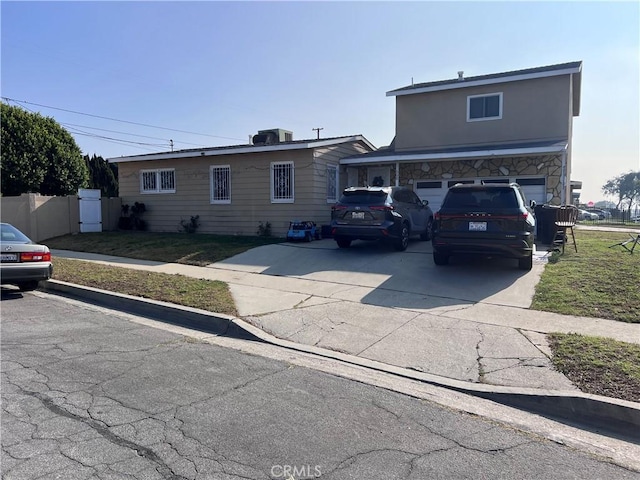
<point>88,394</point>
<point>434,343</point>
<point>398,308</point>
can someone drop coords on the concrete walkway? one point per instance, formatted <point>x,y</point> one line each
<point>468,321</point>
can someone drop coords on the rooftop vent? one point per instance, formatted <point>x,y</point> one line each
<point>271,137</point>
<point>460,75</point>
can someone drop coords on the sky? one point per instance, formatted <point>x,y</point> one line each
<point>126,78</point>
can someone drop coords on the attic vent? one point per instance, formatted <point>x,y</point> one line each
<point>270,137</point>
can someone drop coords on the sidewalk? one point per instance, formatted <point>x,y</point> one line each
<point>479,342</point>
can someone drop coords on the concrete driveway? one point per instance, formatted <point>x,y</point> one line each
<point>398,308</point>
<point>375,274</point>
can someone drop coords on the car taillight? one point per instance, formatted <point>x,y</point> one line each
<point>35,257</point>
<point>520,216</point>
<point>436,216</point>
<point>338,207</point>
<point>381,207</point>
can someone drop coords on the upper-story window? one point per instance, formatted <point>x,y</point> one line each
<point>220,181</point>
<point>282,182</point>
<point>484,107</point>
<point>158,181</point>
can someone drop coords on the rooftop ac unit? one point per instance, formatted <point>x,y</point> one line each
<point>270,137</point>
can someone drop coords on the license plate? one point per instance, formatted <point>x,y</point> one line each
<point>8,257</point>
<point>477,226</point>
<point>357,215</point>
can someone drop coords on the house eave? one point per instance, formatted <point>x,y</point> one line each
<point>205,152</point>
<point>444,156</point>
<point>476,83</point>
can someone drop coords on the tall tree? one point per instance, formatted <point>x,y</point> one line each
<point>102,175</point>
<point>37,155</point>
<point>625,187</point>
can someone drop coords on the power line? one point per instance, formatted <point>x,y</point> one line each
<point>117,141</point>
<point>20,102</point>
<point>130,134</point>
<point>128,143</point>
<point>89,134</point>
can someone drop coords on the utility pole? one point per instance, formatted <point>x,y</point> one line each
<point>318,130</point>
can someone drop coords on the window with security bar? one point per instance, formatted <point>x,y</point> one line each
<point>158,181</point>
<point>332,183</point>
<point>220,179</point>
<point>282,182</point>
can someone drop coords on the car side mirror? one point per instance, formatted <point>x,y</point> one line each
<point>425,203</point>
<point>532,203</point>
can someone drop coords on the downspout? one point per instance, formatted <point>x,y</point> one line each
<point>563,177</point>
<point>397,174</point>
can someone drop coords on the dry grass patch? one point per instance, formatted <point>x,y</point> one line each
<point>596,365</point>
<point>211,295</point>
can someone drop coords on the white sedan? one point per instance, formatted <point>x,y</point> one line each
<point>584,215</point>
<point>22,262</point>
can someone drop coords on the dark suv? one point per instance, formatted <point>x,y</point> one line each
<point>491,219</point>
<point>380,213</point>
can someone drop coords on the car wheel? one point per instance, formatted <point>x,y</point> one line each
<point>525,263</point>
<point>308,237</point>
<point>28,286</point>
<point>426,235</point>
<point>440,258</point>
<point>343,242</point>
<point>402,242</point>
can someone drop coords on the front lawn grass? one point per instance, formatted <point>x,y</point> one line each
<point>597,281</point>
<point>191,249</point>
<point>211,295</point>
<point>596,365</point>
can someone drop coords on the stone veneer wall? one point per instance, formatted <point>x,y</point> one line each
<point>549,166</point>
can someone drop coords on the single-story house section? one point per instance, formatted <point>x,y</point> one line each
<point>503,127</point>
<point>235,189</point>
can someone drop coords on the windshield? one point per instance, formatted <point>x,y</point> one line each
<point>377,197</point>
<point>10,234</point>
<point>481,198</point>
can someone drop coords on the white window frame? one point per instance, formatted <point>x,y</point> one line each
<point>287,168</point>
<point>333,173</point>
<point>226,171</point>
<point>484,95</point>
<point>157,176</point>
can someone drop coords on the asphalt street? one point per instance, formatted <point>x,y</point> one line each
<point>93,393</point>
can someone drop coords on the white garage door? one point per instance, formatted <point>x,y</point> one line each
<point>434,191</point>
<point>533,189</point>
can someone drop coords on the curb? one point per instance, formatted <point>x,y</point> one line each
<point>604,415</point>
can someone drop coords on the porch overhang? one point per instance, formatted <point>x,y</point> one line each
<point>451,154</point>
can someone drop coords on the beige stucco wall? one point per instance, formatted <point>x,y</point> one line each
<point>535,109</point>
<point>41,217</point>
<point>250,191</point>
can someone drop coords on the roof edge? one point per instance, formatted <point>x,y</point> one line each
<point>417,157</point>
<point>235,150</point>
<point>518,75</point>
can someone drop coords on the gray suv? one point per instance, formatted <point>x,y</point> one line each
<point>391,214</point>
<point>490,219</point>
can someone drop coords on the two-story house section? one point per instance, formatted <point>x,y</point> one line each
<point>503,127</point>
